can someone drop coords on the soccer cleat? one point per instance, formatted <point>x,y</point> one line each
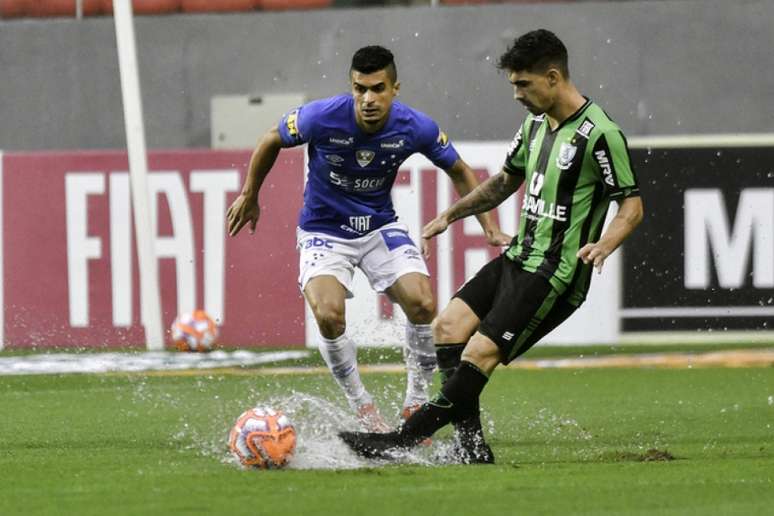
<point>470,445</point>
<point>480,454</point>
<point>406,413</point>
<point>373,445</point>
<point>368,416</point>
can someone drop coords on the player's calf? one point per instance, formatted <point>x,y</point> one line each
<point>421,362</point>
<point>470,444</point>
<point>340,356</point>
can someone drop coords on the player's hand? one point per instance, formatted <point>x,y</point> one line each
<point>497,238</point>
<point>435,227</point>
<point>242,211</point>
<point>595,253</point>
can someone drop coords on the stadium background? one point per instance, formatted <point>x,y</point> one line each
<point>611,426</point>
<point>658,67</point>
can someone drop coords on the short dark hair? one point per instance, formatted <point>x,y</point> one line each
<point>373,58</point>
<point>535,51</point>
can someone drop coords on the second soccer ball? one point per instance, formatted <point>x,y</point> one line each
<point>195,331</point>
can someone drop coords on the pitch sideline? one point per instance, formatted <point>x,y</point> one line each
<point>668,360</point>
<point>243,363</point>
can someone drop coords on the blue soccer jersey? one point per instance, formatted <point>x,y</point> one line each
<point>352,172</point>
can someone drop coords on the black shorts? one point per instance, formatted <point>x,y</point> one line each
<point>516,308</point>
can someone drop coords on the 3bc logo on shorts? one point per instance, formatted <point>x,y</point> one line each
<point>318,242</point>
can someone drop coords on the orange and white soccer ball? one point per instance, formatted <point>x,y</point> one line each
<point>195,331</point>
<point>262,438</point>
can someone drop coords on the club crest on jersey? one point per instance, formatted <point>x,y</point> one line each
<point>364,157</point>
<point>566,153</point>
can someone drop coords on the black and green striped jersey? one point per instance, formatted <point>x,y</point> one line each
<point>570,175</point>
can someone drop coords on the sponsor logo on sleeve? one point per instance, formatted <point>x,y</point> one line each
<point>442,140</point>
<point>604,166</point>
<point>291,122</point>
<point>514,143</point>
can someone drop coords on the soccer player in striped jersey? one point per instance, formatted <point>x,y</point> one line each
<point>356,144</point>
<point>573,160</point>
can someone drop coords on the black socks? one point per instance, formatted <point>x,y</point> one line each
<point>463,389</point>
<point>449,356</point>
<point>457,402</point>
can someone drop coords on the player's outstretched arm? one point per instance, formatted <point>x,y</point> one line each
<point>484,197</point>
<point>464,180</point>
<point>245,208</point>
<point>628,217</point>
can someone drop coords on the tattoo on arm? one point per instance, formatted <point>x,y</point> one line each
<point>484,197</point>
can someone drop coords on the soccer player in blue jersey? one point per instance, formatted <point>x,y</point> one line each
<point>356,144</point>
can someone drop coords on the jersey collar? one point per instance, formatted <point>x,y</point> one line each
<point>572,117</point>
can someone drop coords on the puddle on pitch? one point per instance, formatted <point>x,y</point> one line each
<point>317,422</point>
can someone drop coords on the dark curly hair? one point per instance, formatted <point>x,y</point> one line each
<point>535,51</point>
<point>373,58</point>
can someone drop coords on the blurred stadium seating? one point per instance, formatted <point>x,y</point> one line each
<point>68,8</point>
<point>53,8</point>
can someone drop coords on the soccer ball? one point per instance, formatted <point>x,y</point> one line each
<point>262,438</point>
<point>195,331</point>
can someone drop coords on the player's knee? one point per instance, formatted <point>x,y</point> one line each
<point>482,352</point>
<point>330,320</point>
<point>445,329</point>
<point>421,310</point>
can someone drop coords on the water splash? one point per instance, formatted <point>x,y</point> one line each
<point>317,422</point>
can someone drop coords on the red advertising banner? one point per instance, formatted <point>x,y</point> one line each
<point>70,275</point>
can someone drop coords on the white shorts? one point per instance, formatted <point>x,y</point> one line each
<point>383,255</point>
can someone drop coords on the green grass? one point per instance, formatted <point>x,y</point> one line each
<point>567,441</point>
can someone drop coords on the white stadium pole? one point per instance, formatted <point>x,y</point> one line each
<point>2,265</point>
<point>150,300</point>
